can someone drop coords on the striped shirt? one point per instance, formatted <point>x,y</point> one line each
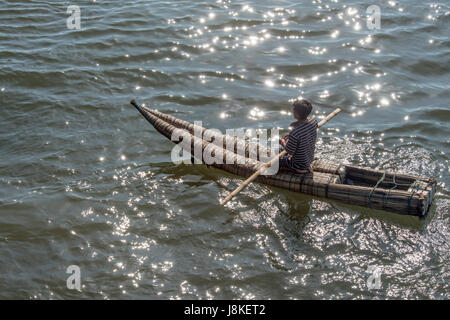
<point>301,144</point>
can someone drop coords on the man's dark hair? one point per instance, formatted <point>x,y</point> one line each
<point>302,108</point>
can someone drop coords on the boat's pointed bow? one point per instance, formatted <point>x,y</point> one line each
<point>151,118</point>
<point>162,126</point>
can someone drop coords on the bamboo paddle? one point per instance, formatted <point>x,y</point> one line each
<point>271,162</point>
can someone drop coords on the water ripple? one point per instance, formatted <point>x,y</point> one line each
<point>85,180</point>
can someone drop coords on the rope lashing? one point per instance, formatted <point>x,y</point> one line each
<point>331,177</point>
<point>415,187</point>
<point>385,198</point>
<point>376,186</point>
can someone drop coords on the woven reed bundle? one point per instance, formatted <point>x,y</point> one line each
<point>314,184</point>
<point>404,194</point>
<point>318,165</point>
<point>234,144</point>
<point>401,193</point>
<point>325,166</point>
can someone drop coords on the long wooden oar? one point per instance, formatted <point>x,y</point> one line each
<point>271,162</point>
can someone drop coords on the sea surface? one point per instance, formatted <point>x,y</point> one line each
<point>86,181</point>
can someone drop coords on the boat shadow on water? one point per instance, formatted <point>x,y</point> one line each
<point>294,206</point>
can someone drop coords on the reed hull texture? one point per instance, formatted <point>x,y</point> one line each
<point>377,189</point>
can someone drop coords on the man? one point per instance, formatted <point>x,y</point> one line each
<point>300,144</point>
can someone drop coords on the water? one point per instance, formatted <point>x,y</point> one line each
<point>86,181</point>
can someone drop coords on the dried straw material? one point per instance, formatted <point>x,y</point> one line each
<point>400,193</point>
<point>227,142</point>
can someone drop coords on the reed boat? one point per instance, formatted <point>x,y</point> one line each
<point>378,189</point>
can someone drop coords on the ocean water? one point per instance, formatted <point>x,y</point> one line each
<point>86,181</point>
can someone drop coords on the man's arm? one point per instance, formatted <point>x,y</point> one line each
<point>291,144</point>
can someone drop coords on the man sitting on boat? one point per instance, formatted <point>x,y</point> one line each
<point>300,144</point>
